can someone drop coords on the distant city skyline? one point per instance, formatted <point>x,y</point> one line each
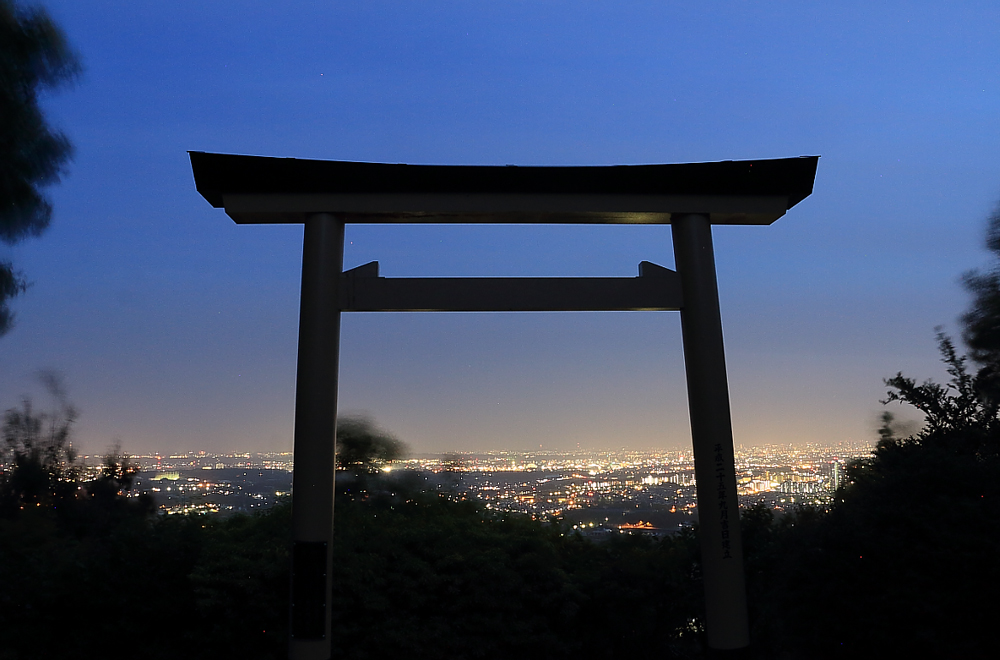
<point>843,450</point>
<point>174,327</point>
<point>649,492</point>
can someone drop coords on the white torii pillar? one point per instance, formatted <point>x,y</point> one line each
<point>315,437</point>
<point>711,434</point>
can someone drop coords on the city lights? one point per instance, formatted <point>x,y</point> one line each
<point>596,492</point>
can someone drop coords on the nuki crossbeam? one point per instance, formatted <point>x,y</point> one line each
<point>656,289</point>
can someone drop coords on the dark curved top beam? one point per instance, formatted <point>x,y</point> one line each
<point>257,189</point>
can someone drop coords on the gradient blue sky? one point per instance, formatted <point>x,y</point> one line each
<point>176,329</point>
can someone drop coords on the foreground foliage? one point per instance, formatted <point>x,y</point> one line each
<point>422,577</point>
<point>902,564</point>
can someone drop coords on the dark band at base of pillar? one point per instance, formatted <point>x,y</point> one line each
<point>309,590</point>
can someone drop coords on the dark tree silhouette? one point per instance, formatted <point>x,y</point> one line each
<point>34,55</point>
<point>960,416</point>
<point>117,475</point>
<point>982,320</point>
<point>362,447</point>
<point>42,468</point>
<point>40,463</point>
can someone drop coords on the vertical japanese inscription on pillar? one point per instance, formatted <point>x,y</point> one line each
<point>720,478</point>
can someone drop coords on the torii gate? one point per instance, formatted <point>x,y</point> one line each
<point>325,195</point>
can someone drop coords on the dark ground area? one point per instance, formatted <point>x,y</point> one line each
<point>890,571</point>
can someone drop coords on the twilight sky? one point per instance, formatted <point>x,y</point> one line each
<point>176,329</point>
